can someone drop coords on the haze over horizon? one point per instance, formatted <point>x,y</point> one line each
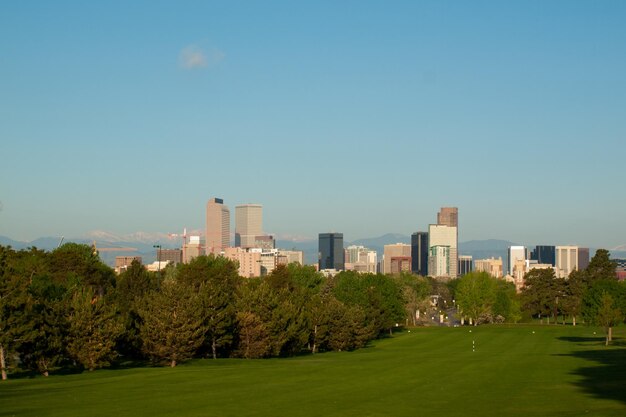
<point>354,117</point>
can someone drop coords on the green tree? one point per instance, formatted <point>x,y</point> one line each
<point>282,313</point>
<point>255,302</point>
<point>306,277</point>
<point>347,327</point>
<point>94,328</point>
<point>131,286</point>
<point>604,304</point>
<point>573,293</point>
<point>608,315</point>
<point>379,296</point>
<point>173,323</point>
<point>76,262</point>
<point>216,280</point>
<point>475,295</point>
<point>16,327</point>
<point>416,292</point>
<point>506,304</point>
<point>601,267</point>
<point>542,292</point>
<point>46,349</point>
<point>254,338</point>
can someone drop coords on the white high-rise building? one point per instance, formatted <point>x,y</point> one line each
<point>439,261</point>
<point>566,260</point>
<point>248,225</point>
<point>217,226</point>
<point>441,235</point>
<point>516,253</point>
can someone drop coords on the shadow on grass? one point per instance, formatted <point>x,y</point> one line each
<point>577,339</point>
<point>607,377</point>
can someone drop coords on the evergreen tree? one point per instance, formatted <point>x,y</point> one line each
<point>601,267</point>
<point>16,326</point>
<point>75,262</point>
<point>541,292</point>
<point>253,337</point>
<point>173,323</point>
<point>216,280</point>
<point>131,286</point>
<point>46,349</point>
<point>94,328</point>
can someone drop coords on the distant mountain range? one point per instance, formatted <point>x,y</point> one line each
<point>144,245</point>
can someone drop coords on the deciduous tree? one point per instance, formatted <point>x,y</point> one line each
<point>475,295</point>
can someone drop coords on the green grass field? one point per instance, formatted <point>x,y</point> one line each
<point>514,371</point>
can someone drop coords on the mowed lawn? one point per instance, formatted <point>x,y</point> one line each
<point>513,371</point>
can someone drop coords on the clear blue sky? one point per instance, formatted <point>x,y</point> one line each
<point>352,116</point>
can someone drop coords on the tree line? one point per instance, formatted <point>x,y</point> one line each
<point>65,309</point>
<point>593,295</point>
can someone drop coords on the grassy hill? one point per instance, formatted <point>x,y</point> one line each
<point>488,371</point>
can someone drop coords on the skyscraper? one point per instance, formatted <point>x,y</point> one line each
<point>248,224</point>
<point>515,253</point>
<point>448,216</point>
<point>544,254</point>
<point>465,265</point>
<point>331,253</point>
<point>583,258</point>
<point>419,253</point>
<point>217,226</point>
<point>566,260</point>
<point>441,235</point>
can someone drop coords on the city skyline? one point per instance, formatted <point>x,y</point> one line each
<point>366,117</point>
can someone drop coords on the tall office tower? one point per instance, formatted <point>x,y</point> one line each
<point>465,265</point>
<point>419,253</point>
<point>448,216</point>
<point>217,226</point>
<point>331,254</point>
<point>248,224</point>
<point>515,253</point>
<point>441,235</point>
<point>566,260</point>
<point>543,254</point>
<point>396,256</point>
<point>583,258</point>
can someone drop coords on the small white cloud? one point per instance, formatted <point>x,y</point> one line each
<point>192,57</point>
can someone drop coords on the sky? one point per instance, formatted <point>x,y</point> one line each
<point>361,117</point>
